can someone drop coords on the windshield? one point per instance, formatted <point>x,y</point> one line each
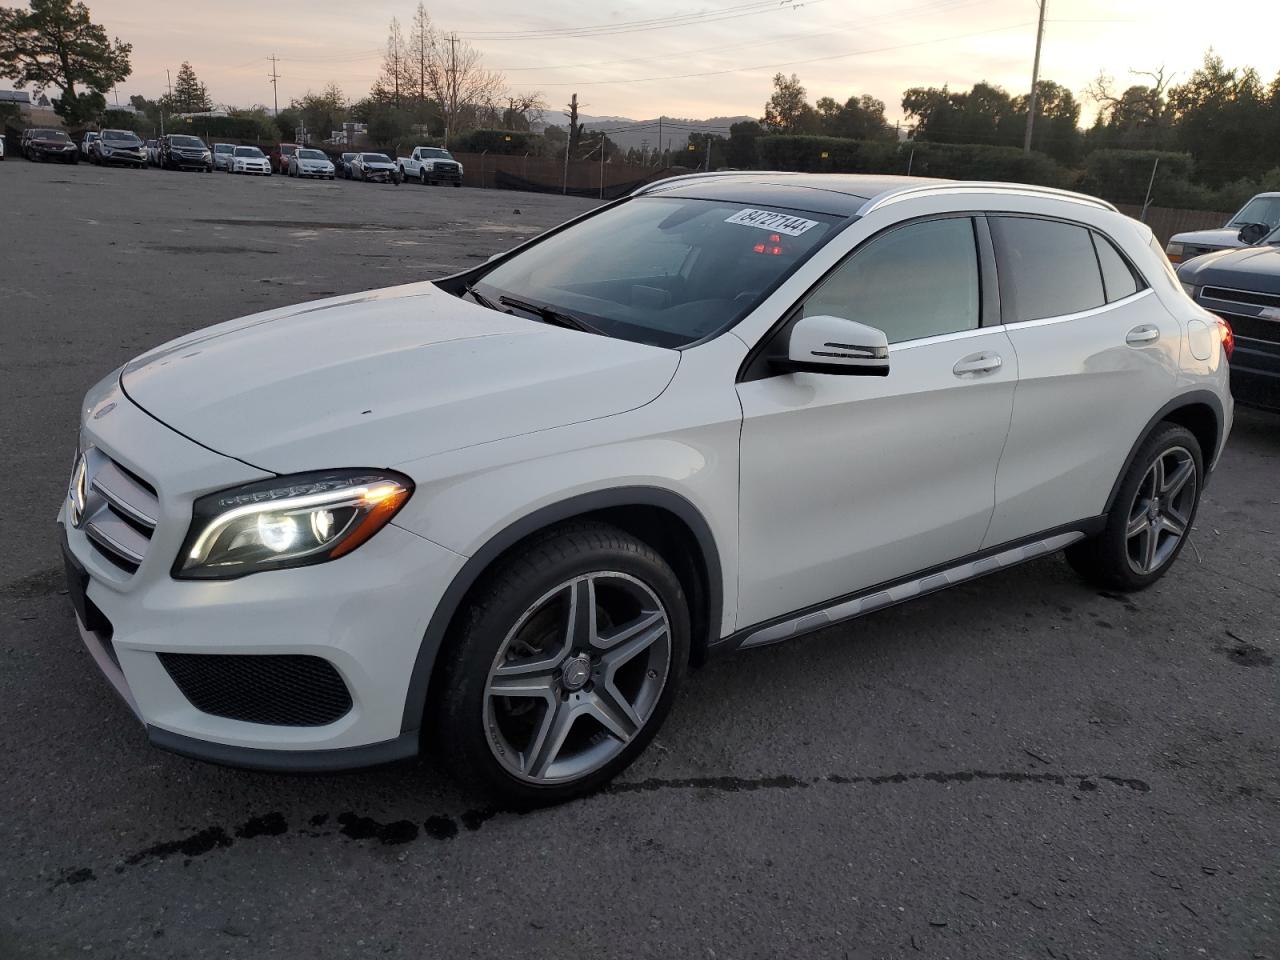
<point>1259,210</point>
<point>288,149</point>
<point>223,148</point>
<point>311,155</point>
<point>49,135</point>
<point>375,158</point>
<point>179,141</point>
<point>662,270</point>
<point>348,156</point>
<point>249,152</point>
<point>120,136</point>
<point>435,153</point>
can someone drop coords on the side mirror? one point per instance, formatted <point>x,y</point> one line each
<point>1251,233</point>
<point>825,344</point>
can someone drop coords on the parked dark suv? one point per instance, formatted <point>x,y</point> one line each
<point>180,151</point>
<point>40,143</point>
<point>1243,287</point>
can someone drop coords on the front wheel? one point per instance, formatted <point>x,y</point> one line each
<point>1151,518</point>
<point>563,666</point>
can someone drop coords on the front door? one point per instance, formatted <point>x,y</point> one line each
<point>851,481</point>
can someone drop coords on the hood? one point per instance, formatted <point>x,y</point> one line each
<point>1223,237</point>
<point>382,378</point>
<point>1250,268</point>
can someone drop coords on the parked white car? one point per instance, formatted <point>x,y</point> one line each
<point>1,146</point>
<point>249,160</point>
<point>307,162</point>
<point>1262,210</point>
<point>222,153</point>
<point>430,165</point>
<point>506,509</point>
<point>86,143</point>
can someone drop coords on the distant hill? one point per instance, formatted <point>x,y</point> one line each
<point>628,133</point>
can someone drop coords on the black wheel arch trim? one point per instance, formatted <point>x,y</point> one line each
<point>540,519</point>
<point>1188,399</point>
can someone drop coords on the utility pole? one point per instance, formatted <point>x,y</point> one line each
<point>274,77</point>
<point>1035,79</point>
<point>603,141</point>
<point>169,81</point>
<point>568,144</point>
<point>659,136</point>
<point>708,153</point>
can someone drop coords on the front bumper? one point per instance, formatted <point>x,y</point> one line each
<point>189,163</point>
<point>364,614</point>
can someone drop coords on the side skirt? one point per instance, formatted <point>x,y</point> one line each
<point>884,595</point>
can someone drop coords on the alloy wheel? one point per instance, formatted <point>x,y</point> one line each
<point>1160,515</point>
<point>577,678</point>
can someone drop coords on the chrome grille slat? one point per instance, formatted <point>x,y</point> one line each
<point>109,531</point>
<point>120,511</point>
<point>126,494</point>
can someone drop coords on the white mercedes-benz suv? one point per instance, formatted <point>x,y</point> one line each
<point>504,511</point>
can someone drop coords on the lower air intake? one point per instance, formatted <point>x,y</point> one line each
<point>284,691</point>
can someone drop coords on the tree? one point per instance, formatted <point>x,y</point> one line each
<point>858,118</point>
<point>1057,130</point>
<point>460,84</point>
<point>788,110</point>
<point>189,94</point>
<point>55,44</point>
<point>740,153</point>
<point>1218,115</point>
<point>422,39</point>
<point>322,113</point>
<point>395,77</point>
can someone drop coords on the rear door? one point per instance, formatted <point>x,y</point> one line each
<point>1097,357</point>
<point>849,481</point>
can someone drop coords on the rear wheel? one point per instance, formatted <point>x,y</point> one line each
<point>1152,515</point>
<point>563,666</point>
<point>422,177</point>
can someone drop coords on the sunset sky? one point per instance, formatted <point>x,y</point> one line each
<point>718,60</point>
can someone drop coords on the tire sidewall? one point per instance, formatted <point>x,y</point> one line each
<point>1165,437</point>
<point>484,626</point>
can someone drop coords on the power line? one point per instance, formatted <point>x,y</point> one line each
<point>847,26</point>
<point>789,63</point>
<point>662,24</point>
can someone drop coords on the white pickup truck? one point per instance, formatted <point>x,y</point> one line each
<point>430,165</point>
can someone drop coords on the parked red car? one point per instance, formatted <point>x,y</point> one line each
<point>280,155</point>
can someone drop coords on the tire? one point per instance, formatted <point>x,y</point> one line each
<point>1152,516</point>
<point>422,178</point>
<point>457,183</point>
<point>525,604</point>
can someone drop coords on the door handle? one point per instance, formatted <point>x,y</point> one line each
<point>1142,335</point>
<point>977,364</point>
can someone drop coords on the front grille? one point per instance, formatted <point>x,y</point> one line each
<point>1252,328</point>
<point>120,511</point>
<point>282,690</point>
<point>1242,296</point>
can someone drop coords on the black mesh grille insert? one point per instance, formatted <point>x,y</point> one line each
<point>286,691</point>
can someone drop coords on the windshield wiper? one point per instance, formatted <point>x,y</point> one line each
<point>550,315</point>
<point>470,290</point>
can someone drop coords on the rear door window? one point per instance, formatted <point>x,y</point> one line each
<point>1047,268</point>
<point>1118,279</point>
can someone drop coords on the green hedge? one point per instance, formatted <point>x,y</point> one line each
<point>1122,176</point>
<point>496,141</point>
<point>949,160</point>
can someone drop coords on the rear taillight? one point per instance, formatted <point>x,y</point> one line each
<point>1227,337</point>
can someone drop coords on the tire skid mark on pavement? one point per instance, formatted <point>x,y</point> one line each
<point>442,827</point>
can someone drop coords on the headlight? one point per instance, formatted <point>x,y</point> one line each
<point>1174,252</point>
<point>289,521</point>
<point>1191,290</point>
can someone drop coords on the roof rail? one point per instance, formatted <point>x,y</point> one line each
<point>964,186</point>
<point>655,186</point>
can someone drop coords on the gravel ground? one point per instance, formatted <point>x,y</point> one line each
<point>1018,767</point>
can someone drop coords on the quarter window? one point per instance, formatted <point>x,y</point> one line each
<point>1047,268</point>
<point>916,281</point>
<point>1118,280</point>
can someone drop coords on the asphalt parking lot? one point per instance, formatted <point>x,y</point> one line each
<point>1018,767</point>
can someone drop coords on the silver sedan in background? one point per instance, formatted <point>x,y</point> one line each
<point>310,163</point>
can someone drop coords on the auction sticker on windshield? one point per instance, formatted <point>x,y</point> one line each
<point>772,221</point>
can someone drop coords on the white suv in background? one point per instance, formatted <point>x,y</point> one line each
<point>504,511</point>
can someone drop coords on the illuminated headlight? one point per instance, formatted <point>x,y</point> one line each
<point>78,492</point>
<point>1174,252</point>
<point>1191,290</point>
<point>289,521</point>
